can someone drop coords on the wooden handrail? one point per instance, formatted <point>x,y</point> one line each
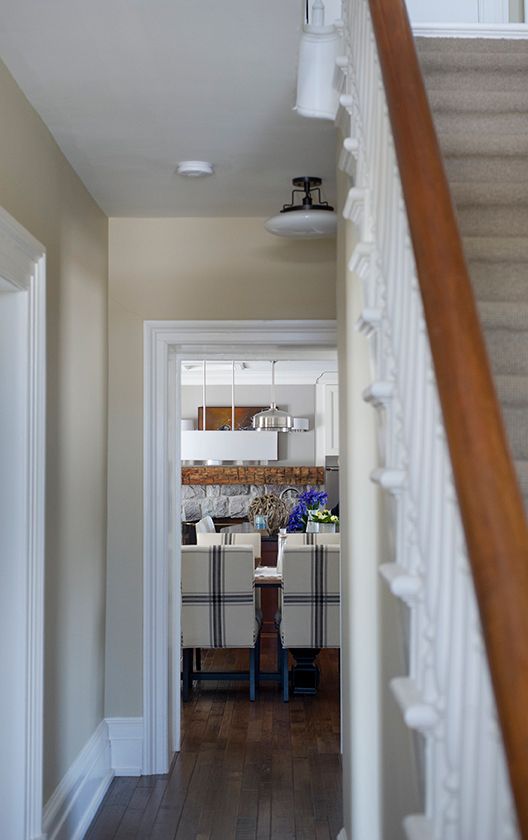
<point>490,501</point>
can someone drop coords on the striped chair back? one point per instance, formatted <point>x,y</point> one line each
<point>294,540</point>
<point>312,539</point>
<point>310,602</point>
<point>224,538</point>
<point>218,597</point>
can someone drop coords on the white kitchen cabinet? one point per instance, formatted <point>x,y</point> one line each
<point>326,418</point>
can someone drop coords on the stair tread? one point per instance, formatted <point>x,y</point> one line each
<point>462,142</point>
<point>503,62</point>
<point>496,248</point>
<point>474,102</point>
<point>522,472</point>
<point>426,46</point>
<point>512,390</point>
<point>490,193</point>
<point>504,315</point>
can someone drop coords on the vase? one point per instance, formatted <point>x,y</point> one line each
<point>326,527</point>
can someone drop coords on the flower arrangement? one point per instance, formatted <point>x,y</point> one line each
<point>324,516</point>
<point>307,503</point>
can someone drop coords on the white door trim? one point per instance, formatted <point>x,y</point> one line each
<point>164,340</point>
<point>23,268</point>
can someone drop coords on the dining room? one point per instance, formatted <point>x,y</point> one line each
<point>260,592</point>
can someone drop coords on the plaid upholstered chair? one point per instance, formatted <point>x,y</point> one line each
<point>310,602</point>
<point>224,538</point>
<point>218,609</point>
<point>293,540</point>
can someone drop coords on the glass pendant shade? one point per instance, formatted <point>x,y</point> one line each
<point>309,218</point>
<point>303,224</point>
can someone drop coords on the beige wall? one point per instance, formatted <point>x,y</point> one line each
<point>39,188</point>
<point>180,269</point>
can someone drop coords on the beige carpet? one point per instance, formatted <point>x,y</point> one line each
<point>478,91</point>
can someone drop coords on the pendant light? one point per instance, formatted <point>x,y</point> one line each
<point>273,419</point>
<point>306,220</point>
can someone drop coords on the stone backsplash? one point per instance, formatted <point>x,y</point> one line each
<point>226,500</point>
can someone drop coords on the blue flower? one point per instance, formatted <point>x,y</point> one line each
<point>311,499</point>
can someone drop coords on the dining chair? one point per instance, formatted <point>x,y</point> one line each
<point>297,539</point>
<point>223,538</point>
<point>309,602</point>
<point>205,526</point>
<point>218,610</point>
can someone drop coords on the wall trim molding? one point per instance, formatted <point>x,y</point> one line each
<point>164,342</point>
<point>126,745</point>
<point>75,801</point>
<point>515,31</point>
<point>23,270</point>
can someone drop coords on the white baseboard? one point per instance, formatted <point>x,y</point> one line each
<point>418,827</point>
<point>515,31</point>
<point>73,805</point>
<point>126,745</point>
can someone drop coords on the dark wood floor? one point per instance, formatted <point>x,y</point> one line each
<point>246,770</point>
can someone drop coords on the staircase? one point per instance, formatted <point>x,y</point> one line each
<point>478,90</point>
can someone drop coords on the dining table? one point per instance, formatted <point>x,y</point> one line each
<point>268,579</point>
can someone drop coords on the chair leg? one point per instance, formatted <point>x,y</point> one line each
<point>285,675</point>
<point>187,673</point>
<point>252,673</point>
<point>198,656</point>
<point>257,661</point>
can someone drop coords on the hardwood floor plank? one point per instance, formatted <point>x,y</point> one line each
<point>246,771</point>
<point>106,822</point>
<point>151,810</point>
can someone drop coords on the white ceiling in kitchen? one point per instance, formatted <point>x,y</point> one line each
<point>130,87</point>
<point>258,371</point>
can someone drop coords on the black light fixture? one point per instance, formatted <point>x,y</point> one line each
<point>309,219</point>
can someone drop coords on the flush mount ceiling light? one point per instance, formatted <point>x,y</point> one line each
<point>195,168</point>
<point>308,220</point>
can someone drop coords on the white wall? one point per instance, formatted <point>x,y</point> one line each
<point>298,400</point>
<point>465,11</point>
<point>39,188</point>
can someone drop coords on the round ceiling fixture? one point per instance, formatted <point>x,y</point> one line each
<point>308,220</point>
<point>195,168</point>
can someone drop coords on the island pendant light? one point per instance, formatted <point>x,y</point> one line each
<point>308,220</point>
<point>273,419</point>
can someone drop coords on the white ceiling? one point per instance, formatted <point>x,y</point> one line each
<point>130,87</point>
<point>258,371</point>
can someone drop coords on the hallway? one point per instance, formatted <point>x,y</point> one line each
<point>262,770</point>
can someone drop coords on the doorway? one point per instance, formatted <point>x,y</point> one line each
<point>167,344</point>
<point>22,422</point>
